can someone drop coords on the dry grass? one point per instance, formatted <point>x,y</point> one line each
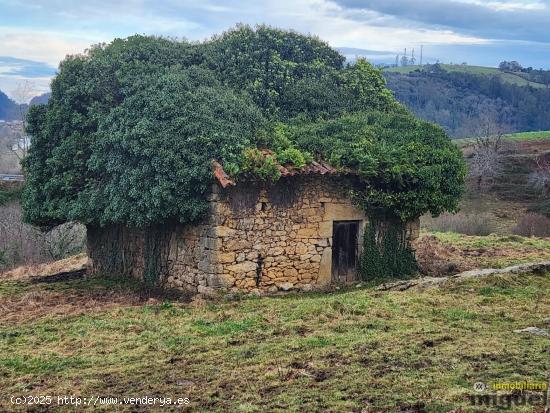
<point>468,224</point>
<point>533,225</point>
<point>36,302</point>
<point>74,263</point>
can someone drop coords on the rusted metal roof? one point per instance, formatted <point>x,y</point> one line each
<point>319,168</point>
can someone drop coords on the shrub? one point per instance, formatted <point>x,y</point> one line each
<point>292,156</point>
<point>468,224</point>
<point>386,252</point>
<point>257,165</point>
<point>533,225</point>
<point>407,167</point>
<point>131,129</point>
<point>542,207</point>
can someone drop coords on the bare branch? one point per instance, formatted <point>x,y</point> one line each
<point>540,178</point>
<point>487,161</point>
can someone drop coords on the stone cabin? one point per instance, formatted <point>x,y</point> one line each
<point>302,232</point>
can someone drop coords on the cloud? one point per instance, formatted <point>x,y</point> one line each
<point>11,66</point>
<point>45,31</point>
<point>44,46</point>
<point>490,20</point>
<point>69,25</point>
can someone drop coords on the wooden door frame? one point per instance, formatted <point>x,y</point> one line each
<point>359,246</point>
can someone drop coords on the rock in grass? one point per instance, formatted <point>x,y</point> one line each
<point>286,286</point>
<point>534,330</point>
<point>428,282</point>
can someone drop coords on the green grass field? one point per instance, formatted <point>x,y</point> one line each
<point>519,137</point>
<point>476,70</point>
<point>354,350</point>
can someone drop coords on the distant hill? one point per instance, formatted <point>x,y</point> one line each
<point>463,99</point>
<point>40,100</point>
<point>8,108</point>
<point>515,78</point>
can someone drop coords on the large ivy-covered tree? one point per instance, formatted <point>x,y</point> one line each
<point>131,128</point>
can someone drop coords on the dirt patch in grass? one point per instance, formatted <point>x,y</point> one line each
<point>450,253</point>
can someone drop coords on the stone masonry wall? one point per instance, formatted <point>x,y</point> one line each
<point>191,266</point>
<point>184,253</point>
<point>281,238</point>
<point>256,238</point>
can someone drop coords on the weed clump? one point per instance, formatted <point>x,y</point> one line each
<point>533,225</point>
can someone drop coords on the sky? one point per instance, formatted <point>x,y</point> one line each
<point>36,35</point>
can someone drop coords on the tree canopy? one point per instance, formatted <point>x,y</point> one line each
<point>131,129</point>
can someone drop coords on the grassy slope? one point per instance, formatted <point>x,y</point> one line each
<point>529,135</point>
<point>497,251</point>
<point>346,351</point>
<point>514,137</point>
<point>477,70</point>
<point>511,195</point>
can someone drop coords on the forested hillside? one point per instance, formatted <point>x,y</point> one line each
<point>8,108</point>
<point>461,99</point>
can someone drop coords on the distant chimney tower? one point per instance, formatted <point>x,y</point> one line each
<point>421,47</point>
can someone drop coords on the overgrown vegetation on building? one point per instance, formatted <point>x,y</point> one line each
<point>386,252</point>
<point>131,129</point>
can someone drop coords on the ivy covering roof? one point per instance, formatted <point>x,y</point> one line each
<point>130,131</point>
<point>287,170</point>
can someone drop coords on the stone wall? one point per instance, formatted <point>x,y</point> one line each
<point>176,255</point>
<point>256,238</point>
<point>280,236</point>
<point>191,264</point>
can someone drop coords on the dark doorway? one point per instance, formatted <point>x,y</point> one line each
<point>344,251</point>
